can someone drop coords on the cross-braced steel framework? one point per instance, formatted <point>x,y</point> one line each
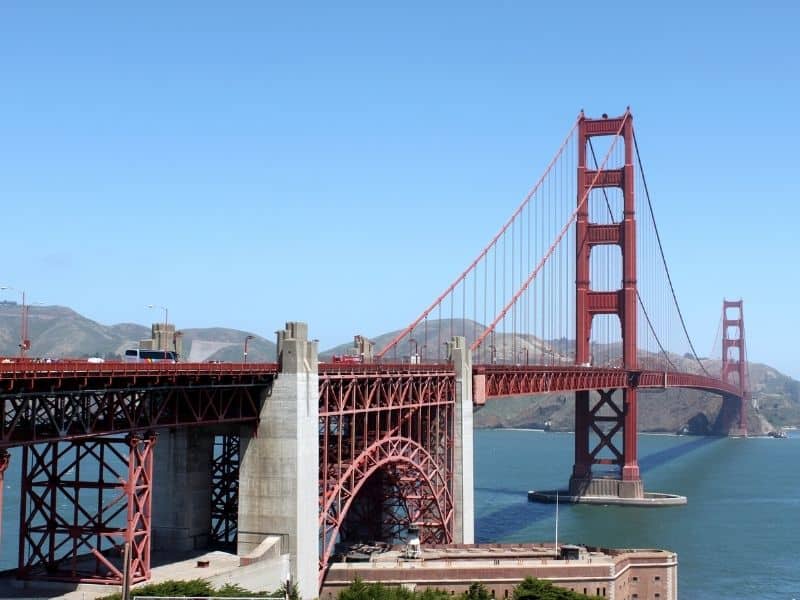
<point>5,459</point>
<point>386,443</point>
<point>81,502</point>
<point>225,490</point>
<point>71,413</point>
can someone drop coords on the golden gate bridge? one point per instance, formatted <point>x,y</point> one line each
<point>573,294</point>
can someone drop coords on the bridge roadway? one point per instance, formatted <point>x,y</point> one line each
<point>74,399</point>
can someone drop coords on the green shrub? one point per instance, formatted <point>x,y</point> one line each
<point>537,589</point>
<point>193,588</point>
<point>529,589</point>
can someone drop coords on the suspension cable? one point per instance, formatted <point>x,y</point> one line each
<point>663,258</point>
<point>638,296</point>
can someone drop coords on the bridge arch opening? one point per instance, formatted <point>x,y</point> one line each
<point>605,268</point>
<point>392,484</point>
<point>605,205</point>
<point>605,341</point>
<point>598,146</point>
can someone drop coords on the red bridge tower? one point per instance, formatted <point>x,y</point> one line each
<point>597,425</point>
<point>734,367</point>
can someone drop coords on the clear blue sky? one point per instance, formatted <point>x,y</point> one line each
<point>248,163</point>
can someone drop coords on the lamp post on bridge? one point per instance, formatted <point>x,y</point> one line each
<point>24,339</point>
<point>523,352</point>
<point>175,337</point>
<point>414,356</point>
<point>247,339</point>
<point>166,313</point>
<point>493,350</point>
<point>160,336</point>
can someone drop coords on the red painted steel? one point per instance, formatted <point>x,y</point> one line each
<point>81,502</point>
<point>385,432</point>
<point>225,490</point>
<point>5,459</point>
<point>622,303</point>
<point>68,401</point>
<point>734,356</point>
<point>32,375</point>
<point>504,381</point>
<point>139,492</point>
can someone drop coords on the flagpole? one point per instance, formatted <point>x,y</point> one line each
<point>556,521</point>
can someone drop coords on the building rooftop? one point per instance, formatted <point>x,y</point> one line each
<point>484,556</point>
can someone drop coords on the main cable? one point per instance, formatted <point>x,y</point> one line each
<point>663,258</point>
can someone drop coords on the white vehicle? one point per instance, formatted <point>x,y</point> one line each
<point>137,355</point>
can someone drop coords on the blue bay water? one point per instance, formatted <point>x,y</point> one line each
<point>736,538</point>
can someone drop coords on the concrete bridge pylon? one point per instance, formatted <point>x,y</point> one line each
<point>463,467</point>
<point>279,470</point>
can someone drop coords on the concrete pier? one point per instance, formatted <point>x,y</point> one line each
<point>181,515</point>
<point>279,470</point>
<point>606,492</point>
<point>463,471</point>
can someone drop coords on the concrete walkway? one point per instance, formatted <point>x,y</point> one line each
<point>222,568</point>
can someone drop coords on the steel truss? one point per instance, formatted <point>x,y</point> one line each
<point>605,424</point>
<point>225,490</point>
<point>505,380</point>
<point>386,454</point>
<point>5,459</point>
<point>33,417</point>
<point>81,502</point>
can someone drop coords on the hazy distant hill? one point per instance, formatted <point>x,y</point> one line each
<point>57,332</point>
<point>427,343</point>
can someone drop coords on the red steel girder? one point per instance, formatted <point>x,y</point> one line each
<point>522,380</point>
<point>603,179</point>
<point>225,490</point>
<point>35,375</point>
<point>5,458</point>
<point>394,423</point>
<point>81,502</point>
<point>34,417</point>
<point>614,423</point>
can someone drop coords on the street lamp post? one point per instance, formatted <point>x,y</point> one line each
<point>414,358</point>
<point>247,339</point>
<point>166,312</point>
<point>24,340</point>
<point>161,338</point>
<point>175,337</point>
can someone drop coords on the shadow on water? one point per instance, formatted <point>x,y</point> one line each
<point>512,518</point>
<point>505,521</point>
<point>656,459</point>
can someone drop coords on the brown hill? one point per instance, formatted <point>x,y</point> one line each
<point>60,332</point>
